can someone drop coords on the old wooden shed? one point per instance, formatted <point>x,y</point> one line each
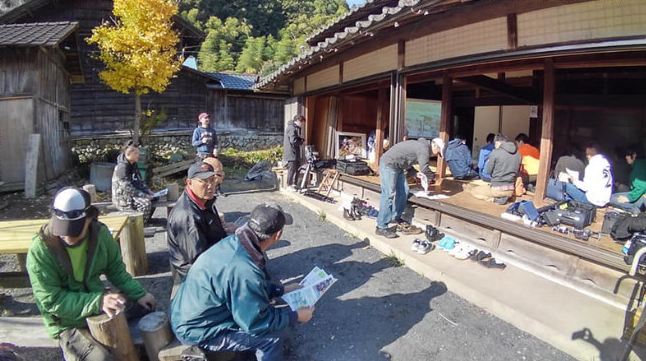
<point>37,63</point>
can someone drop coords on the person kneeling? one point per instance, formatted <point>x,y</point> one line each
<point>224,303</point>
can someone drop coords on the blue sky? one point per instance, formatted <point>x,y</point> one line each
<point>355,2</point>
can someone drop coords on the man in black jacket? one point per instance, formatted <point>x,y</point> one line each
<point>194,224</point>
<point>292,150</point>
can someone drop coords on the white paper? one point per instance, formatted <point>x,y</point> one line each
<point>315,284</point>
<point>423,194</point>
<point>572,173</point>
<point>424,180</point>
<point>162,192</point>
<point>564,177</point>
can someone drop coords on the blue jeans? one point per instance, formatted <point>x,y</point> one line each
<point>635,207</point>
<point>268,348</point>
<point>394,195</point>
<point>572,192</point>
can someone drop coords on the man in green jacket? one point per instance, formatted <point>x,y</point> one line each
<point>65,260</point>
<point>634,200</point>
<point>224,303</point>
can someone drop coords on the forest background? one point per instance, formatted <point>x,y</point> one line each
<point>250,36</point>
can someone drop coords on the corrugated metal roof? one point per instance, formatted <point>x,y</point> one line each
<point>234,81</point>
<point>360,28</point>
<point>36,34</point>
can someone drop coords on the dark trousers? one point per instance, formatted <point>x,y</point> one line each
<point>292,172</point>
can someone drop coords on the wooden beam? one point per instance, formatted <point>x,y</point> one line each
<point>547,133</point>
<point>499,87</point>
<point>512,31</point>
<point>445,123</point>
<point>379,133</point>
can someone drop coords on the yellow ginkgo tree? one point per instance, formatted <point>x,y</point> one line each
<point>139,49</point>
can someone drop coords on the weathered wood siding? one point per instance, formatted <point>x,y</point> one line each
<point>96,109</point>
<point>324,78</point>
<point>18,76</point>
<point>374,62</point>
<point>246,111</point>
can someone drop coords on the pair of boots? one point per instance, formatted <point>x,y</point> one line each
<point>352,214</point>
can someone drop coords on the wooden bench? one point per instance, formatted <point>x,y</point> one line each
<point>16,236</point>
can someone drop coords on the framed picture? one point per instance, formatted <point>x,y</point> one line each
<point>351,144</point>
<point>423,118</point>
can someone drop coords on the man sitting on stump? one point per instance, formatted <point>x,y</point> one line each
<point>65,262</point>
<point>224,304</point>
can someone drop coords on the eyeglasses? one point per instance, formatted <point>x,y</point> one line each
<point>210,179</point>
<point>69,214</point>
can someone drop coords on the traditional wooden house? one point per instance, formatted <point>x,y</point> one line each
<point>561,71</point>
<point>37,63</point>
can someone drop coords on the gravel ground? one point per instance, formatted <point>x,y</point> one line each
<point>377,310</point>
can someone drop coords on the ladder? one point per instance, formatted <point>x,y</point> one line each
<point>331,178</point>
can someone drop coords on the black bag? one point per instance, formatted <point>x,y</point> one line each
<point>357,167</point>
<point>578,215</point>
<point>609,220</point>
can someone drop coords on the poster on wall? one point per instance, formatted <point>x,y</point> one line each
<point>423,118</point>
<point>350,144</point>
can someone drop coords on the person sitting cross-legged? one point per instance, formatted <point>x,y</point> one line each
<point>225,301</point>
<point>503,165</point>
<point>596,186</point>
<point>458,157</point>
<point>635,200</point>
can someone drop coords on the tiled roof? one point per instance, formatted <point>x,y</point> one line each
<point>36,34</point>
<point>235,81</point>
<point>344,35</point>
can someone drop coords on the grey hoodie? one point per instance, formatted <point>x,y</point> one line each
<point>503,164</point>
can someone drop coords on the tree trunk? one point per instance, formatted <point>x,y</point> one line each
<point>137,124</point>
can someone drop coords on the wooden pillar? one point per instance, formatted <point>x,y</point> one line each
<point>397,101</point>
<point>156,333</point>
<point>379,134</point>
<point>133,246</point>
<point>547,132</point>
<point>445,123</point>
<point>114,334</point>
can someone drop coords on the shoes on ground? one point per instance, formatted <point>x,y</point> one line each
<point>493,264</point>
<point>447,243</point>
<point>386,232</point>
<point>425,247</point>
<point>461,251</point>
<point>347,215</point>
<point>482,255</point>
<point>433,234</point>
<point>408,229</point>
<point>416,243</point>
<point>291,188</point>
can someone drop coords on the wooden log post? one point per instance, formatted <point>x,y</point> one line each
<point>91,189</point>
<point>31,166</point>
<point>114,334</point>
<point>156,333</point>
<point>133,246</point>
<point>173,191</point>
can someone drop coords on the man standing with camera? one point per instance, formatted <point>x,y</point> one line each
<point>292,150</point>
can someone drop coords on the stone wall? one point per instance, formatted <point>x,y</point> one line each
<point>169,143</point>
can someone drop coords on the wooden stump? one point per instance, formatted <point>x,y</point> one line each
<point>173,191</point>
<point>91,189</point>
<point>114,334</point>
<point>133,246</point>
<point>156,333</point>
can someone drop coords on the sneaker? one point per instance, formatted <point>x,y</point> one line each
<point>494,264</point>
<point>411,230</point>
<point>291,188</point>
<point>416,243</point>
<point>463,252</point>
<point>386,232</point>
<point>449,244</point>
<point>347,215</point>
<point>425,247</point>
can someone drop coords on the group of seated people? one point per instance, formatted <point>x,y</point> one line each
<point>504,164</point>
<point>223,299</point>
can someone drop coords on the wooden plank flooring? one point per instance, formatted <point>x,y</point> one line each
<point>453,189</point>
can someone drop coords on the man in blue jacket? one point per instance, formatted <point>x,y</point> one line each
<point>224,303</point>
<point>205,139</point>
<point>483,157</point>
<point>458,157</point>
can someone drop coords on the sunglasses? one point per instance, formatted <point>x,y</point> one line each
<point>69,214</point>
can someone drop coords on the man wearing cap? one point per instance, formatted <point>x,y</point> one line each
<point>392,172</point>
<point>65,262</point>
<point>194,224</point>
<point>205,138</point>
<point>224,304</point>
<point>292,150</point>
